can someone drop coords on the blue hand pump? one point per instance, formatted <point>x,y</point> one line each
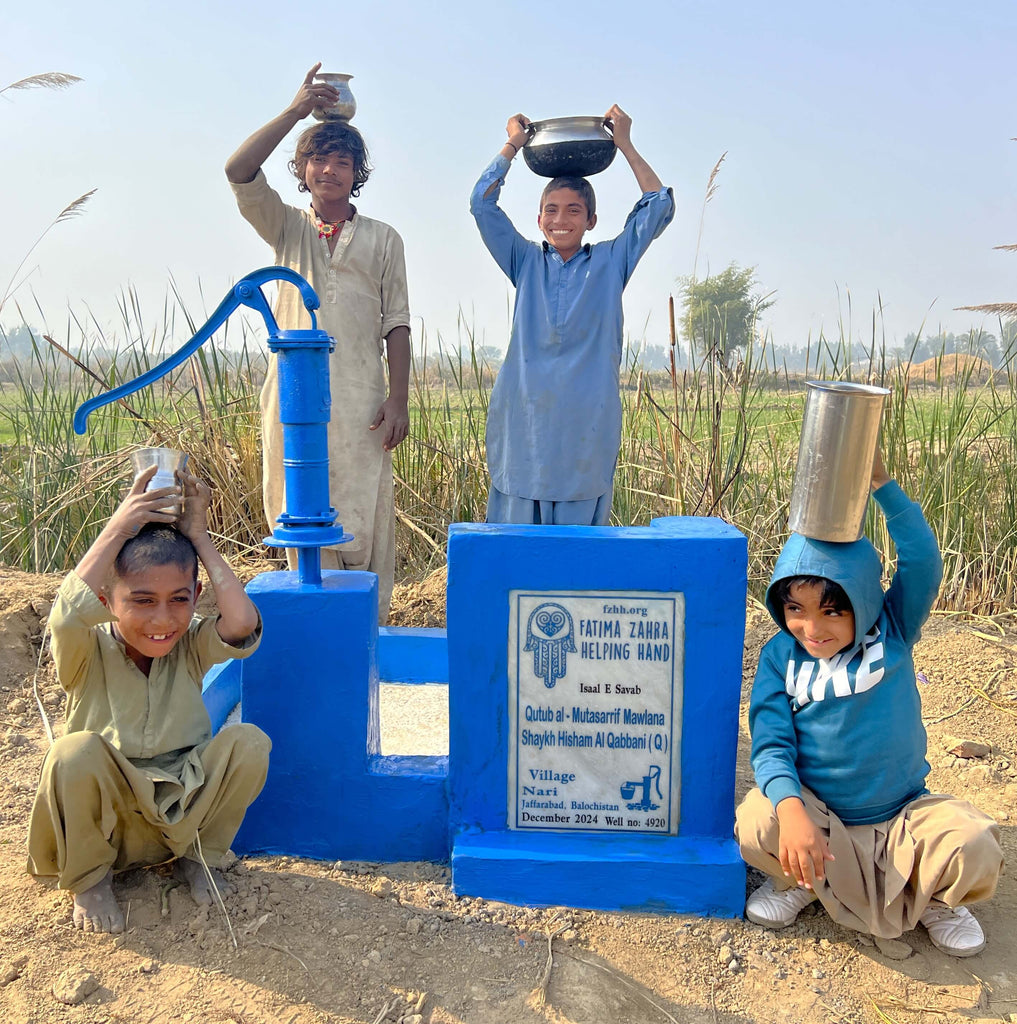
<point>305,399</point>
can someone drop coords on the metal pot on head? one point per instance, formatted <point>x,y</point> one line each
<point>840,430</point>
<point>345,107</point>
<point>569,147</point>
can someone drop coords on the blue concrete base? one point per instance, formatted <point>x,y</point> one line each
<point>409,654</point>
<point>698,869</point>
<point>313,687</point>
<point>220,690</point>
<point>658,874</point>
<point>331,794</point>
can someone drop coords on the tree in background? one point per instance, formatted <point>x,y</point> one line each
<point>917,348</point>
<point>721,313</point>
<point>645,356</point>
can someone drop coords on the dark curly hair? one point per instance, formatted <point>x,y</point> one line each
<point>333,136</point>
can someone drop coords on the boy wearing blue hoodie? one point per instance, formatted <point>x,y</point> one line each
<point>841,813</point>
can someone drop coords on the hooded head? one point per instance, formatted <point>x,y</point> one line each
<point>855,566</point>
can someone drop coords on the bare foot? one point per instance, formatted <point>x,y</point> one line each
<point>97,910</point>
<point>192,874</point>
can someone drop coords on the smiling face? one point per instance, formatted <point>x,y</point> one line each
<point>564,219</point>
<point>820,628</point>
<point>153,608</point>
<point>329,178</point>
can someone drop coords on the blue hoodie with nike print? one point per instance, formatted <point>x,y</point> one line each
<point>850,727</point>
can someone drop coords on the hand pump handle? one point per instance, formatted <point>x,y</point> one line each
<point>246,292</point>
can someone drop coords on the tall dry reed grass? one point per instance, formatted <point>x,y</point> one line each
<point>56,489</point>
<point>701,441</point>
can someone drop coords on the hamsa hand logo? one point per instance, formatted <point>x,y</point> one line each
<point>550,635</point>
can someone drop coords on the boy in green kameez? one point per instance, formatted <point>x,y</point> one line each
<point>138,778</point>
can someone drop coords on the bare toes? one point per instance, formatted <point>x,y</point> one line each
<point>96,909</point>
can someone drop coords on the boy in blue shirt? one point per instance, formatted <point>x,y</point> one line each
<point>554,419</point>
<point>842,813</point>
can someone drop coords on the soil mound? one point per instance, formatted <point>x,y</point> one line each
<point>422,603</point>
<point>954,368</point>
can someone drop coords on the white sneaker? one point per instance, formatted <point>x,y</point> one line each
<point>773,909</point>
<point>954,930</point>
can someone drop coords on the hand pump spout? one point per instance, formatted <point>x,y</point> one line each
<point>309,522</point>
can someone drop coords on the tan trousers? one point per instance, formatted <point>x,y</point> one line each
<point>95,811</point>
<point>885,875</point>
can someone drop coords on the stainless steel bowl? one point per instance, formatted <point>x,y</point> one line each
<point>569,146</point>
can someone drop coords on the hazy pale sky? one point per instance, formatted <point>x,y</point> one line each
<point>869,152</point>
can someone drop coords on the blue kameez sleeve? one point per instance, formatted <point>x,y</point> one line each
<point>504,243</point>
<point>649,217</point>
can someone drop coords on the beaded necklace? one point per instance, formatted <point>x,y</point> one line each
<point>326,229</point>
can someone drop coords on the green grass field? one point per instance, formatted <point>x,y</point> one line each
<point>702,443</point>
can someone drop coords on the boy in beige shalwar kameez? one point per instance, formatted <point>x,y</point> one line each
<point>138,778</point>
<point>356,266</point>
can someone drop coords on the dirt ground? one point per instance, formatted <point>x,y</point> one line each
<point>353,943</point>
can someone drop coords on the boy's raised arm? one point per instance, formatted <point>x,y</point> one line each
<point>238,618</point>
<point>245,163</point>
<point>915,584</point>
<point>621,128</point>
<point>517,131</point>
<point>137,509</point>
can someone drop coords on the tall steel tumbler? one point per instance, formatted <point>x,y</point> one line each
<point>840,430</point>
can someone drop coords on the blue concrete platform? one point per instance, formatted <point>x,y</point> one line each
<point>644,873</point>
<point>313,687</point>
<point>331,794</point>
<point>697,869</point>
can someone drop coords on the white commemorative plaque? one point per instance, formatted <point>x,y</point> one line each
<point>595,695</point>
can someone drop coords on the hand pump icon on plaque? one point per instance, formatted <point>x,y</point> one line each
<point>628,791</point>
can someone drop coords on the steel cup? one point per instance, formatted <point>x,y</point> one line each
<point>346,106</point>
<point>167,461</point>
<point>840,430</point>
